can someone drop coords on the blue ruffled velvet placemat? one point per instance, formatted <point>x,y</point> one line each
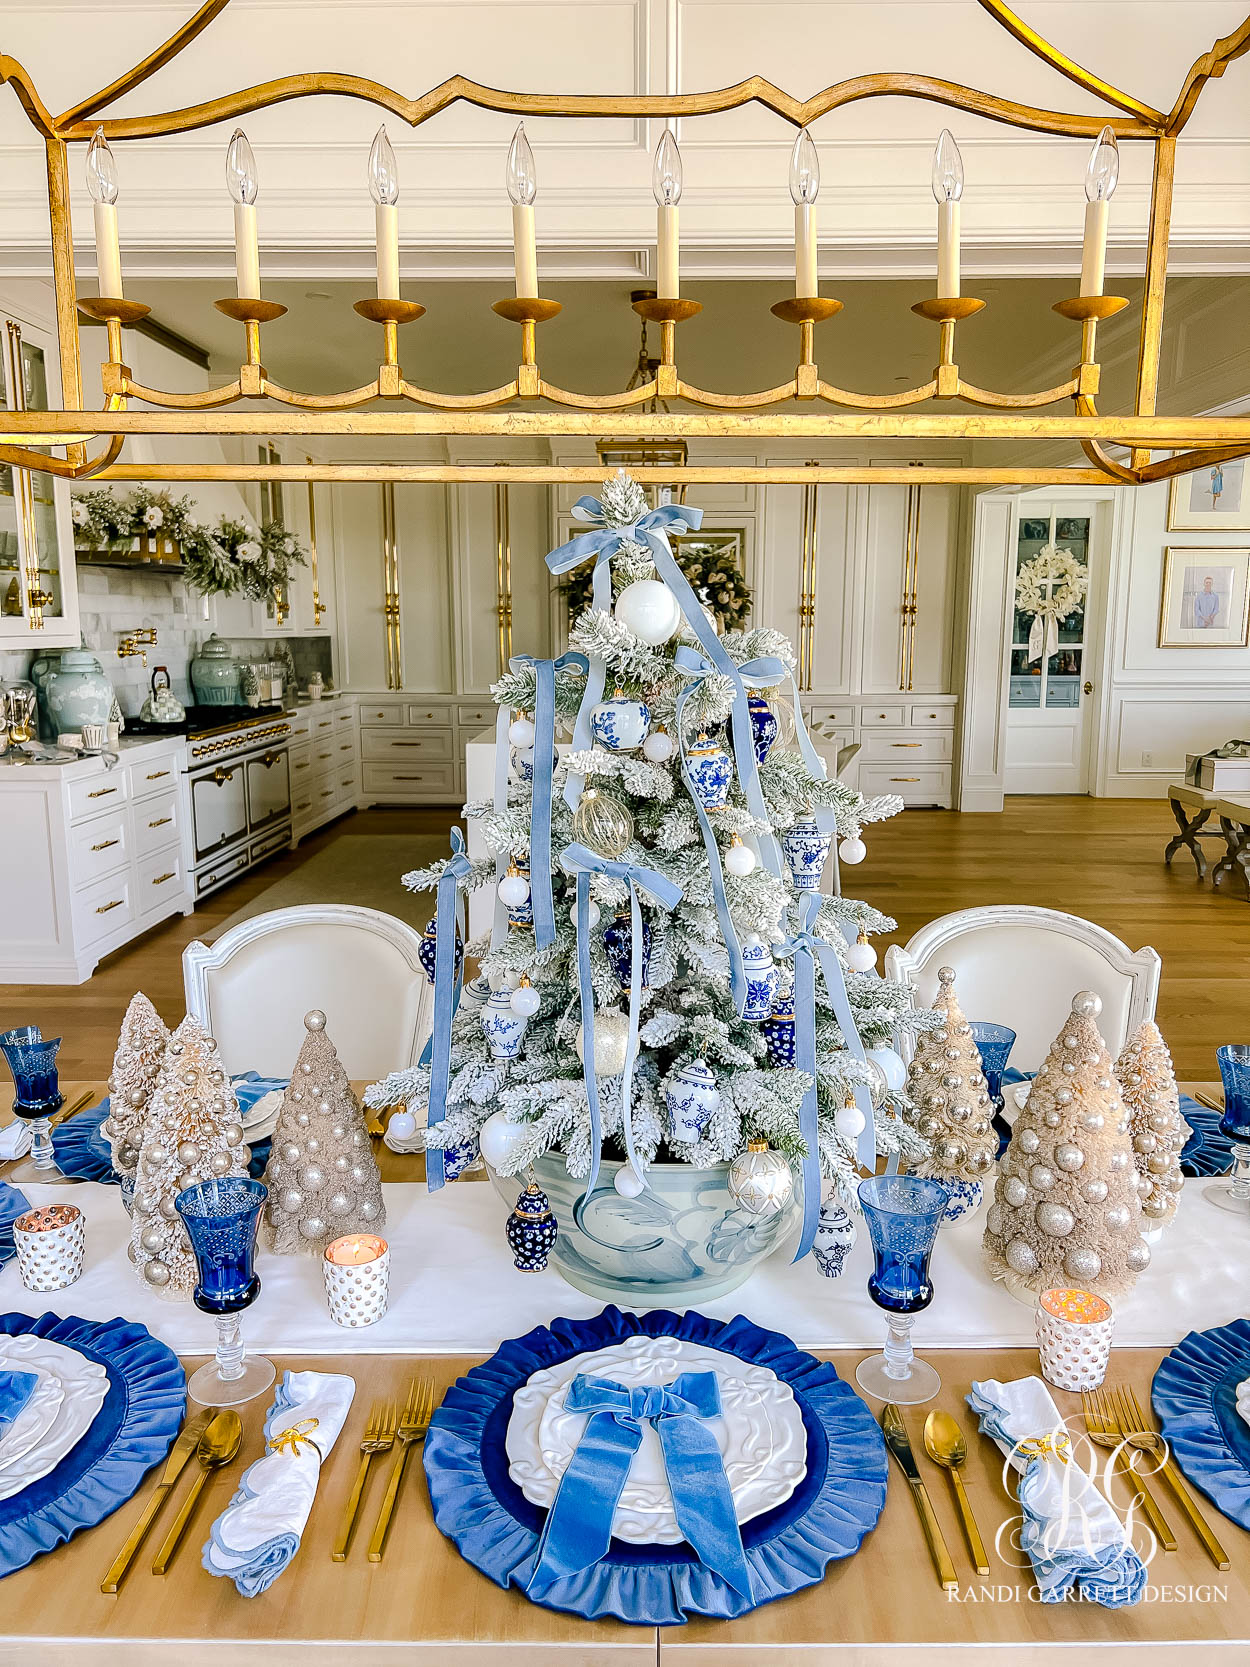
<point>1207,1151</point>
<point>13,1203</point>
<point>1195,1399</point>
<point>82,1150</point>
<point>479,1507</point>
<point>133,1430</point>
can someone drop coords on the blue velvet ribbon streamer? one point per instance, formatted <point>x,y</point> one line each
<point>767,672</point>
<point>544,768</point>
<point>650,530</point>
<point>807,950</point>
<point>448,923</point>
<point>579,860</point>
<point>578,1529</point>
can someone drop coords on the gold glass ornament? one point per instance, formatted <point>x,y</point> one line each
<point>602,824</point>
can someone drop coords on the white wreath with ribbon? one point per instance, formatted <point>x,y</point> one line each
<point>1051,585</point>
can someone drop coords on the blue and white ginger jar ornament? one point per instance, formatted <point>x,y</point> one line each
<point>456,1159</point>
<point>805,850</point>
<point>522,914</point>
<point>778,1030</point>
<point>761,979</point>
<point>764,725</point>
<point>428,952</point>
<point>532,1230</point>
<point>835,1234</point>
<point>504,1027</point>
<point>618,941</point>
<point>523,764</point>
<point>692,1098</point>
<point>710,770</point>
<point>620,724</point>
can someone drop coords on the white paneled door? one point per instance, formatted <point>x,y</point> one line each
<point>1050,684</point>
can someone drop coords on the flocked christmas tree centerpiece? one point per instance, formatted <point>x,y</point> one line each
<point>192,1133</point>
<point>946,1085</point>
<point>1066,1209</point>
<point>1156,1127</point>
<point>322,1177</point>
<point>679,846</point>
<point>136,1065</point>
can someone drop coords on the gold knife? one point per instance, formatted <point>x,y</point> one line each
<point>896,1439</point>
<point>179,1453</point>
<point>1209,1101</point>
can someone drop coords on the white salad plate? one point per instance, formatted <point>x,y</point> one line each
<point>760,1433</point>
<point>35,1419</point>
<point>262,1118</point>
<point>83,1385</point>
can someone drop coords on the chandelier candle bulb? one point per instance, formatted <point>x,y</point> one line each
<point>666,182</point>
<point>1101,177</point>
<point>804,188</point>
<point>102,184</point>
<point>948,188</point>
<point>384,189</point>
<point>242,180</point>
<point>522,189</point>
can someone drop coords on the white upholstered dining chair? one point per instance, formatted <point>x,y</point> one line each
<point>253,986</point>
<point>1020,966</point>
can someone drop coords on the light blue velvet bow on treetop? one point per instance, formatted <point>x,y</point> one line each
<point>651,530</point>
<point>577,859</point>
<point>448,926</point>
<point>807,949</point>
<point>578,1530</point>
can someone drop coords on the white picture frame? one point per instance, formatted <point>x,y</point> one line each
<point>1204,597</point>
<point>1213,498</point>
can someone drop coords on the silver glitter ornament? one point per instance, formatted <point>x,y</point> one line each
<point>220,1163</point>
<point>1051,1118</point>
<point>1138,1256</point>
<point>1020,1257</point>
<point>302,1119</point>
<point>1055,1219</point>
<point>1041,1178</point>
<point>290,1152</point>
<point>234,1134</point>
<point>156,1273</point>
<point>1117,1217</point>
<point>312,1177</point>
<point>1082,1263</point>
<point>1069,1157</point>
<point>1155,1206</point>
<point>168,1209</point>
<point>339,1204</point>
<point>152,1240</point>
<point>1015,1192</point>
<point>1029,1141</point>
<point>188,1152</point>
<point>994,1219</point>
<point>369,1210</point>
<point>980,1162</point>
<point>292,1200</point>
<point>1095,1191</point>
<point>313,1227</point>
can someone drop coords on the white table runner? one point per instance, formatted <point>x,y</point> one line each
<point>454,1289</point>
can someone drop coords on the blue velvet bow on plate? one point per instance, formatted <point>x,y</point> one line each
<point>16,1388</point>
<point>578,1529</point>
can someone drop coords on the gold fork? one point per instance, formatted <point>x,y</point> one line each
<point>1139,1434</point>
<point>1103,1428</point>
<point>379,1437</point>
<point>412,1428</point>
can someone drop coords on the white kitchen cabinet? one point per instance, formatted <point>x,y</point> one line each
<point>324,763</point>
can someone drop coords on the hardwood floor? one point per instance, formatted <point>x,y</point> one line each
<point>1100,858</point>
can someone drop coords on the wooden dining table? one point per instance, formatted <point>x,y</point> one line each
<point>422,1604</point>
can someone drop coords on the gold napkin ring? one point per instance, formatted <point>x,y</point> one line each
<point>288,1440</point>
<point>1056,1446</point>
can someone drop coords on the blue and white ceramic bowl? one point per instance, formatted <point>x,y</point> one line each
<point>710,770</point>
<point>965,1197</point>
<point>691,1097</point>
<point>805,849</point>
<point>620,724</point>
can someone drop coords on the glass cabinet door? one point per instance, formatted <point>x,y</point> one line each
<point>36,590</point>
<point>12,603</point>
<point>1053,681</point>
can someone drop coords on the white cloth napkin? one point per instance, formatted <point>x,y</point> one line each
<point>1070,1531</point>
<point>259,1531</point>
<point>15,1141</point>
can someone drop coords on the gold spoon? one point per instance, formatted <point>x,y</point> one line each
<point>218,1445</point>
<point>944,1443</point>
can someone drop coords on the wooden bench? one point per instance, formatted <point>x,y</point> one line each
<point>1191,807</point>
<point>1233,811</point>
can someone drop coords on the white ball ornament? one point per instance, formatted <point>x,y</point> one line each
<point>740,859</point>
<point>592,913</point>
<point>850,1121</point>
<point>852,850</point>
<point>403,1125</point>
<point>890,1064</point>
<point>514,889</point>
<point>650,610</point>
<point>658,747</point>
<point>526,1001</point>
<point>861,956</point>
<point>627,1183</point>
<point>498,1139</point>
<point>521,732</point>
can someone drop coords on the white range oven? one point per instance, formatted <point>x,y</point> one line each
<point>240,786</point>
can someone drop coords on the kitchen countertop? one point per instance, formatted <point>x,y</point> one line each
<point>15,766</point>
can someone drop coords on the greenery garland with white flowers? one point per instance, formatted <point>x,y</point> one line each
<point>714,577</point>
<point>1066,576</point>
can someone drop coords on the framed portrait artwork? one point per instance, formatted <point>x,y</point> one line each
<point>1206,598</point>
<point>1215,496</point>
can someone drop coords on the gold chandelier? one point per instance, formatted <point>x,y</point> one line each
<point>529,404</point>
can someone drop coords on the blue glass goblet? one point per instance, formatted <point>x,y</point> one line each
<point>903,1213</point>
<point>221,1217</point>
<point>1233,1192</point>
<point>32,1060</point>
<point>994,1044</point>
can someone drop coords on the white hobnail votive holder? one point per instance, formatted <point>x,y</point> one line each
<point>1074,1331</point>
<point>51,1246</point>
<point>357,1270</point>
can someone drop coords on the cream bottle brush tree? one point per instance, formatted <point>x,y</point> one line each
<point>1156,1127</point>
<point>193,1133</point>
<point>141,1045</point>
<point>1066,1208</point>
<point>946,1085</point>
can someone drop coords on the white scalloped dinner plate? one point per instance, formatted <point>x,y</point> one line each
<point>36,1417</point>
<point>760,1433</point>
<point>84,1385</point>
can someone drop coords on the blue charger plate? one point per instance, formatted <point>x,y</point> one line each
<point>1195,1400</point>
<point>479,1507</point>
<point>13,1203</point>
<point>133,1430</point>
<point>1207,1151</point>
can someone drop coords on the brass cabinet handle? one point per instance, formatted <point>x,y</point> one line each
<point>269,759</point>
<point>306,765</point>
<point>325,755</point>
<point>345,746</point>
<point>161,878</point>
<point>328,793</point>
<point>409,778</point>
<point>904,778</point>
<point>156,775</point>
<point>101,792</point>
<point>105,843</point>
<point>160,822</point>
<point>907,743</point>
<point>220,775</point>
<point>115,904</point>
<point>304,804</point>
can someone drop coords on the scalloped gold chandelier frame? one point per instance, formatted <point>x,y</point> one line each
<point>515,408</point>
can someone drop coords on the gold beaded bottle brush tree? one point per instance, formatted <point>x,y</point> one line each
<point>946,1086</point>
<point>141,1045</point>
<point>1157,1129</point>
